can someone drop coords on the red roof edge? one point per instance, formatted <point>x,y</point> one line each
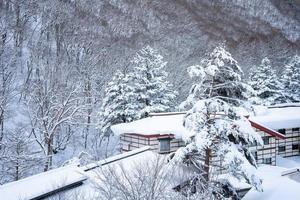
<point>267,130</point>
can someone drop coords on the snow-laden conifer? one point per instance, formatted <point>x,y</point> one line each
<point>227,78</point>
<point>265,83</point>
<point>217,136</point>
<point>118,105</point>
<point>291,80</point>
<point>153,91</point>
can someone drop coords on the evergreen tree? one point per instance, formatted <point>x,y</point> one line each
<point>227,76</point>
<point>266,85</point>
<point>216,135</point>
<point>119,105</point>
<point>291,80</point>
<point>153,92</point>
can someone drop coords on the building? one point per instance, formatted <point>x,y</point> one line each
<point>285,119</point>
<point>278,125</point>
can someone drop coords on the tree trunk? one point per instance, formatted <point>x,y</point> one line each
<point>2,127</point>
<point>89,102</point>
<point>48,163</point>
<point>207,164</point>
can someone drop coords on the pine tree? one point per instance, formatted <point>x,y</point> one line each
<point>216,135</point>
<point>153,92</point>
<point>119,105</point>
<point>227,75</point>
<point>291,80</point>
<point>266,85</point>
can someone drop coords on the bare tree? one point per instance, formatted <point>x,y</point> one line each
<point>50,114</point>
<point>7,59</point>
<point>151,179</point>
<point>18,157</point>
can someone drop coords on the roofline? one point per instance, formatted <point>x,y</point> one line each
<point>152,135</point>
<point>115,158</point>
<point>253,124</point>
<point>266,129</point>
<point>290,171</point>
<point>288,105</point>
<point>60,189</point>
<point>166,113</point>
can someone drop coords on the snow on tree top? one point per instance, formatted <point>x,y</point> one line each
<point>279,116</point>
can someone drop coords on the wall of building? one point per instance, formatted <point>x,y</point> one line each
<point>289,146</point>
<point>129,142</point>
<point>265,154</point>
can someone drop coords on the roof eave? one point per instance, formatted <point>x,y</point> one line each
<point>267,130</point>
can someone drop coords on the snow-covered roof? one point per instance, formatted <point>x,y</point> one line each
<point>279,116</point>
<point>168,123</point>
<point>165,124</point>
<point>41,184</point>
<point>275,186</point>
<point>62,179</point>
<point>128,156</point>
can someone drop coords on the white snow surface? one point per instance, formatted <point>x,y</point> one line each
<point>279,116</point>
<point>34,186</point>
<point>290,162</point>
<point>275,186</point>
<point>275,117</point>
<point>170,124</point>
<point>40,184</point>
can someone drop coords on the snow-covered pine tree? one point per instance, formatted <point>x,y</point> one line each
<point>153,91</point>
<point>216,134</point>
<point>266,84</point>
<point>291,80</point>
<point>118,105</point>
<point>227,75</point>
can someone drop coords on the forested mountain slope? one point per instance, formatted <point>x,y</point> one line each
<point>56,57</point>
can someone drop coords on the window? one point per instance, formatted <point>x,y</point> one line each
<point>267,161</point>
<point>266,140</point>
<point>164,145</point>
<point>282,131</point>
<point>295,129</point>
<point>255,155</point>
<point>281,148</point>
<point>295,146</point>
